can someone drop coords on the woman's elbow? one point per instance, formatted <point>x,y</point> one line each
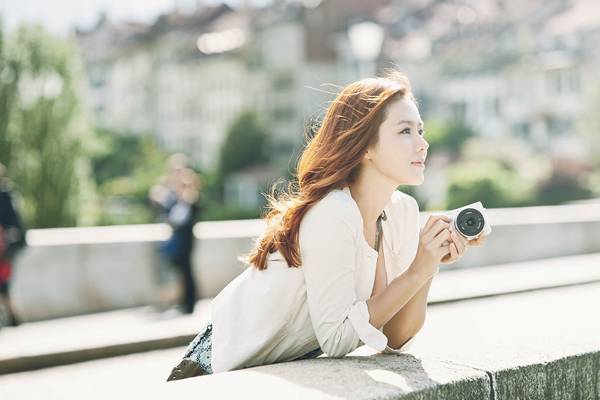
<point>335,347</point>
<point>334,351</point>
<point>398,337</point>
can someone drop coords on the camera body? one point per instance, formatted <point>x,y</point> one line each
<point>470,221</point>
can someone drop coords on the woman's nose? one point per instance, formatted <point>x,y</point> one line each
<point>423,144</point>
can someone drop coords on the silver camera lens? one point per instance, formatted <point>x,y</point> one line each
<point>469,222</point>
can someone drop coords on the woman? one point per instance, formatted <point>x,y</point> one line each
<point>342,262</point>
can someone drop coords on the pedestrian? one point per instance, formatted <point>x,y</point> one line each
<point>178,197</point>
<point>12,238</point>
<point>341,262</point>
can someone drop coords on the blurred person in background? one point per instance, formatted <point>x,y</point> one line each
<point>12,238</point>
<point>177,197</point>
<point>342,261</point>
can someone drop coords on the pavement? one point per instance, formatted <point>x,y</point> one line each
<point>76,339</point>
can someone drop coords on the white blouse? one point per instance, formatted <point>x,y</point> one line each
<point>280,313</point>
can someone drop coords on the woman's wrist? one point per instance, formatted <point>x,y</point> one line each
<point>421,275</point>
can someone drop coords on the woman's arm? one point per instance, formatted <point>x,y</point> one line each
<point>328,243</point>
<point>385,305</point>
<point>406,290</point>
<point>409,320</point>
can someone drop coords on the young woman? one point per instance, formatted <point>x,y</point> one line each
<point>343,261</point>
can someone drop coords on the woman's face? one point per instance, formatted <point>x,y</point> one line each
<point>401,144</point>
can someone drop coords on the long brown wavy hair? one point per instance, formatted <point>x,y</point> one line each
<point>330,160</point>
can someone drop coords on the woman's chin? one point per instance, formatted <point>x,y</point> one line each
<point>412,183</point>
<point>417,181</point>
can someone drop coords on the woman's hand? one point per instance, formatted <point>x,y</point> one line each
<point>434,242</point>
<point>458,247</point>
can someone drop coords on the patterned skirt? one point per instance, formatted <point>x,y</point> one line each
<point>197,356</point>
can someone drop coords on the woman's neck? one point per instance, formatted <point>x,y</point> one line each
<point>371,197</point>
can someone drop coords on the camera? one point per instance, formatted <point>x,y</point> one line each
<point>470,221</point>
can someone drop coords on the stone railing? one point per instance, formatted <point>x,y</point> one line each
<point>72,271</point>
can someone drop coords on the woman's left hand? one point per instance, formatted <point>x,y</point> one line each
<point>458,247</point>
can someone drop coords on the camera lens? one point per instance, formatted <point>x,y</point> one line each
<point>470,222</point>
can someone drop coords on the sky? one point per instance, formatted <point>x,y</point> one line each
<point>61,16</point>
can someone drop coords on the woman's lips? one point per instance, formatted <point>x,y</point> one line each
<point>418,164</point>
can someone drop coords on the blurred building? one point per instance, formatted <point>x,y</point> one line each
<point>187,76</point>
<point>506,67</point>
<point>176,79</point>
<point>119,75</point>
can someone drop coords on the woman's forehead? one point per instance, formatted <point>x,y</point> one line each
<point>403,110</point>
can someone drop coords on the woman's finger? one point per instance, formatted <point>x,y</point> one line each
<point>437,227</point>
<point>453,251</point>
<point>440,238</point>
<point>460,243</point>
<point>432,220</point>
<point>451,255</point>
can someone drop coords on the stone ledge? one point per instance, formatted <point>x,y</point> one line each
<point>537,345</point>
<point>383,376</point>
<point>44,344</point>
<point>379,376</point>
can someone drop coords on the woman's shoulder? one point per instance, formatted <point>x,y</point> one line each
<point>336,205</point>
<point>403,210</point>
<point>403,201</point>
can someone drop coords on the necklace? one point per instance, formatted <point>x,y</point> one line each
<point>382,217</point>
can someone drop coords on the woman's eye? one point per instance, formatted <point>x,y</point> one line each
<point>407,130</point>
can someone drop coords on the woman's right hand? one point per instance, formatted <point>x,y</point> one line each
<point>434,242</point>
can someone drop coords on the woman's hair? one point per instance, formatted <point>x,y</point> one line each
<point>331,160</point>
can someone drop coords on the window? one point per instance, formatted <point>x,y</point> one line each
<point>459,110</point>
<point>522,129</point>
<point>562,81</point>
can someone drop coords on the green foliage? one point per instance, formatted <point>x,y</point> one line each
<point>411,191</point>
<point>246,144</point>
<point>447,136</point>
<point>42,125</point>
<point>487,181</point>
<point>562,187</point>
<point>125,167</point>
<point>117,156</point>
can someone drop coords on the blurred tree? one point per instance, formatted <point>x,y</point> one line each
<point>566,183</point>
<point>125,166</point>
<point>412,191</point>
<point>246,144</point>
<point>486,181</point>
<point>42,125</point>
<point>8,90</point>
<point>447,136</point>
<point>117,155</point>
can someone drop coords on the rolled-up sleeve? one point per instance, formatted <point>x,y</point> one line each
<point>328,250</point>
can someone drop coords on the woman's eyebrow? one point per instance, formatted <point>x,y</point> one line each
<point>406,121</point>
